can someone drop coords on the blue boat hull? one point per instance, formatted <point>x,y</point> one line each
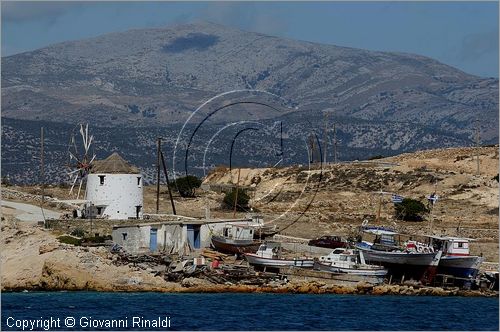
<point>460,266</point>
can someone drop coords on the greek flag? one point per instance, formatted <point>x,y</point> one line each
<point>397,199</point>
<point>433,198</point>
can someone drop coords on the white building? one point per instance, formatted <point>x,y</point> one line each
<point>114,190</point>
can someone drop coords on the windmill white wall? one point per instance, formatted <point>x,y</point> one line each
<point>114,190</point>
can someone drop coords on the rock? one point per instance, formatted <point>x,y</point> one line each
<point>195,282</point>
<point>44,248</point>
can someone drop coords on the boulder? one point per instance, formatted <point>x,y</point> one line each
<point>48,247</point>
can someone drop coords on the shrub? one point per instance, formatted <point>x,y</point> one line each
<point>78,232</point>
<point>98,239</point>
<point>5,181</point>
<point>243,198</point>
<point>186,186</point>
<point>70,240</point>
<point>410,210</point>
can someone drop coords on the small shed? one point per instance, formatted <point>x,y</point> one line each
<point>175,236</point>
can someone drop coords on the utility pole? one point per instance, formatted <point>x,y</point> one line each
<point>477,145</point>
<point>236,194</point>
<point>334,144</point>
<point>158,175</point>
<point>311,149</point>
<point>325,139</point>
<point>168,183</point>
<point>42,172</point>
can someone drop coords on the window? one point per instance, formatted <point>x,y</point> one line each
<point>138,180</point>
<point>99,210</point>
<point>460,244</point>
<point>124,236</point>
<point>101,179</point>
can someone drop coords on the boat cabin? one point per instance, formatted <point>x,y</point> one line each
<point>238,232</point>
<point>380,239</point>
<point>269,250</point>
<point>453,246</point>
<point>342,257</point>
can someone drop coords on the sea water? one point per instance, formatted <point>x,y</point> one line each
<point>227,311</point>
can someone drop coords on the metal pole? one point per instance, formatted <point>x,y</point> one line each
<point>325,139</point>
<point>379,208</point>
<point>477,145</point>
<point>42,172</point>
<point>158,150</point>
<point>168,186</point>
<point>334,144</point>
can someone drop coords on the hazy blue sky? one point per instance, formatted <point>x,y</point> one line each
<point>461,34</point>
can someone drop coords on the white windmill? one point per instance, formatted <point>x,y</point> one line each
<point>81,157</point>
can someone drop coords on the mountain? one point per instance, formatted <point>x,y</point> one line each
<point>381,102</point>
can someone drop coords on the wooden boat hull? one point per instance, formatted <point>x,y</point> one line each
<point>228,246</point>
<point>460,266</point>
<point>357,271</point>
<point>399,264</point>
<point>332,278</point>
<point>255,259</point>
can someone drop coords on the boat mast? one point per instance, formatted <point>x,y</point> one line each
<point>379,207</point>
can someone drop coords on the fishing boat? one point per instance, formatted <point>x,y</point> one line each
<point>234,246</point>
<point>269,255</point>
<point>456,260</point>
<point>410,259</point>
<point>349,261</point>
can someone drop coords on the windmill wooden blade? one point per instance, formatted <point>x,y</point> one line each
<point>79,188</point>
<point>73,185</point>
<point>71,155</point>
<point>73,172</point>
<point>83,138</point>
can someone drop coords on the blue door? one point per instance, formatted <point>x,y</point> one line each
<point>193,235</point>
<point>153,239</point>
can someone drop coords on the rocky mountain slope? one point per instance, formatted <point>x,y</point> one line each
<point>158,76</point>
<point>137,85</point>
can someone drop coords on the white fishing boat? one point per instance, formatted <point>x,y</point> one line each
<point>456,260</point>
<point>349,261</point>
<point>269,255</point>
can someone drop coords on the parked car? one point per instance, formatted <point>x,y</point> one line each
<point>329,241</point>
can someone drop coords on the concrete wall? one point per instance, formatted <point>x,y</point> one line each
<point>171,237</point>
<point>305,249</point>
<point>136,239</point>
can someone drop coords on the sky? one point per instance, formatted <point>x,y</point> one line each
<point>461,34</point>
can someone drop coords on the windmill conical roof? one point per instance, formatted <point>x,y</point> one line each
<point>114,164</point>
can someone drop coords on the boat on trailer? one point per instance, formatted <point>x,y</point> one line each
<point>269,255</point>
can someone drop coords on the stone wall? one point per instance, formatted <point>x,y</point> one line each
<point>101,226</point>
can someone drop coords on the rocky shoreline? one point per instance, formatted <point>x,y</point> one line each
<point>194,285</point>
